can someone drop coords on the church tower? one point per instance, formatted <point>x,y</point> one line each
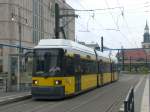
<point>146,39</point>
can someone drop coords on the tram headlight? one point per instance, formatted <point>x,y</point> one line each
<point>58,82</point>
<point>35,82</point>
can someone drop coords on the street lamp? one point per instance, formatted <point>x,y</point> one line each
<point>20,48</point>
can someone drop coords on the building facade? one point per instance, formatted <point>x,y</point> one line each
<point>133,60</point>
<point>24,22</point>
<point>34,18</point>
<point>146,39</point>
<point>136,59</point>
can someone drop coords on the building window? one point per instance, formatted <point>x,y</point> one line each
<point>1,50</point>
<point>1,66</point>
<point>38,16</point>
<point>53,8</point>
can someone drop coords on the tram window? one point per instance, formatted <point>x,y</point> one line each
<point>69,66</point>
<point>109,67</point>
<point>80,66</point>
<point>106,67</point>
<point>88,67</point>
<point>101,67</point>
<point>87,64</point>
<point>83,67</point>
<point>114,67</point>
<point>91,66</point>
<point>47,62</point>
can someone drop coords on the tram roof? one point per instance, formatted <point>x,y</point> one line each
<point>63,43</point>
<point>68,44</point>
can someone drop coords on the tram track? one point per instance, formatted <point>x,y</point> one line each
<point>120,99</point>
<point>87,102</point>
<point>90,100</point>
<point>34,105</point>
<point>71,101</point>
<point>78,103</point>
<point>29,104</point>
<point>77,107</point>
<point>115,103</point>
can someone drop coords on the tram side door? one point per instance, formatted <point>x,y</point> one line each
<point>112,71</point>
<point>77,73</point>
<point>101,69</point>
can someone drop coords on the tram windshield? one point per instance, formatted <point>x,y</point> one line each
<point>47,62</point>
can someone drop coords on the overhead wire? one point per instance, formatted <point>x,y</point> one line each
<point>88,19</point>
<point>141,5</point>
<point>126,22</point>
<point>97,23</point>
<point>91,10</point>
<point>85,10</point>
<point>123,35</point>
<point>88,13</point>
<point>117,25</point>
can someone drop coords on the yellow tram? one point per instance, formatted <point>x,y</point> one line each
<point>62,68</point>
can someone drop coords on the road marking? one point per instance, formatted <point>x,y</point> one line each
<point>139,83</point>
<point>145,98</point>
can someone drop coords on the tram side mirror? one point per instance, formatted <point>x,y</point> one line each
<point>28,56</point>
<point>28,62</point>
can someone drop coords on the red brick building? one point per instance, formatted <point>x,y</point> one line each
<point>133,60</point>
<point>138,59</point>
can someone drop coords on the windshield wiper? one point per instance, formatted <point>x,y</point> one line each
<point>45,75</point>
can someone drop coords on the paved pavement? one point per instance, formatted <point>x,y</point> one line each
<point>145,97</point>
<point>138,92</point>
<point>106,99</point>
<point>9,97</point>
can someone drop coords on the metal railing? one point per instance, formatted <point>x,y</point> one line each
<point>3,84</point>
<point>129,101</point>
<point>24,87</point>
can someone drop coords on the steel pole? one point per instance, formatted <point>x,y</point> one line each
<point>130,63</point>
<point>57,21</point>
<point>19,56</point>
<point>122,59</point>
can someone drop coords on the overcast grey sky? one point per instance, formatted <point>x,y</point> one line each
<point>122,26</point>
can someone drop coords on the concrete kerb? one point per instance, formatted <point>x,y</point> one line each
<point>121,108</point>
<point>145,98</point>
<point>17,98</point>
<point>144,106</point>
